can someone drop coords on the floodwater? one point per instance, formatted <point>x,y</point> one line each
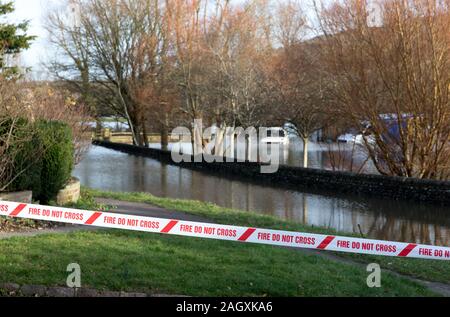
<point>110,170</point>
<point>333,156</point>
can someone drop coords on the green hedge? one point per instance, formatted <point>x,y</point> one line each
<point>24,145</point>
<point>47,158</point>
<point>57,160</point>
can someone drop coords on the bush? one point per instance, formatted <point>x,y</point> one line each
<point>21,157</point>
<point>44,161</point>
<point>57,159</point>
<point>28,160</point>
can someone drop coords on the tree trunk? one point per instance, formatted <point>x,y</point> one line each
<point>305,152</point>
<point>165,133</point>
<point>145,135</point>
<point>164,138</point>
<point>128,117</point>
<point>138,133</point>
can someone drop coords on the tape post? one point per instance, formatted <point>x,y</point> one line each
<point>224,232</point>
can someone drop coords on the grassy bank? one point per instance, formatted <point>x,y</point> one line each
<point>132,261</point>
<point>127,261</point>
<point>430,270</point>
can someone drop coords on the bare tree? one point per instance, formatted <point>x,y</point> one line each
<point>72,47</point>
<point>295,76</point>
<point>187,22</point>
<point>390,69</point>
<point>14,134</point>
<point>115,51</point>
<point>53,103</point>
<point>237,47</point>
<point>112,33</point>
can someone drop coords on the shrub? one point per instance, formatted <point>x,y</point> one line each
<point>28,167</point>
<point>57,159</point>
<point>43,163</point>
<point>20,155</point>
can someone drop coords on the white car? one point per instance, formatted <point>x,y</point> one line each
<point>276,136</point>
<point>346,138</point>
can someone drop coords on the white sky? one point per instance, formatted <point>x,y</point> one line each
<point>33,10</point>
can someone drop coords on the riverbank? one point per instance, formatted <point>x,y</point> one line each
<point>393,188</point>
<point>135,262</point>
<point>138,262</point>
<point>431,270</point>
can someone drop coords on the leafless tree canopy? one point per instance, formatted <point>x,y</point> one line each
<point>11,140</point>
<point>53,103</point>
<point>391,73</point>
<point>381,66</point>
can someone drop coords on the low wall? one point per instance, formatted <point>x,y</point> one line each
<point>397,188</point>
<point>126,137</point>
<point>19,197</point>
<point>70,193</point>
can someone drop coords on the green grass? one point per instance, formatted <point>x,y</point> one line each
<point>119,260</point>
<point>129,261</point>
<point>431,270</point>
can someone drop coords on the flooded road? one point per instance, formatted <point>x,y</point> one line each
<point>110,170</point>
<point>329,156</point>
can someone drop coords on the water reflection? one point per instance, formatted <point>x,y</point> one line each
<point>378,218</point>
<point>342,156</point>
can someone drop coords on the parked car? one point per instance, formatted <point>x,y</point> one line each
<point>276,136</point>
<point>346,138</point>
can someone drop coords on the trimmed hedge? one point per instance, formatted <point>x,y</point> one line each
<point>57,160</point>
<point>47,158</point>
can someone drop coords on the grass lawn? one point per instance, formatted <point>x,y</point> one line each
<point>119,260</point>
<point>132,261</point>
<point>431,270</point>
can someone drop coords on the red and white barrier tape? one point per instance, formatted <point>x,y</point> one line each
<point>224,232</point>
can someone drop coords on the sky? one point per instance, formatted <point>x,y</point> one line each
<point>34,11</point>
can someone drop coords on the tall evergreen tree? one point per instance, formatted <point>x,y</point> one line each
<point>13,39</point>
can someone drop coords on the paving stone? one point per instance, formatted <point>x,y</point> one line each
<point>166,295</point>
<point>42,291</point>
<point>60,292</point>
<point>87,292</point>
<point>10,287</point>
<point>33,290</point>
<point>109,294</point>
<point>124,294</point>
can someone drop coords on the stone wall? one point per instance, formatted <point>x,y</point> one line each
<point>18,197</point>
<point>69,194</point>
<point>397,188</point>
<point>107,135</point>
